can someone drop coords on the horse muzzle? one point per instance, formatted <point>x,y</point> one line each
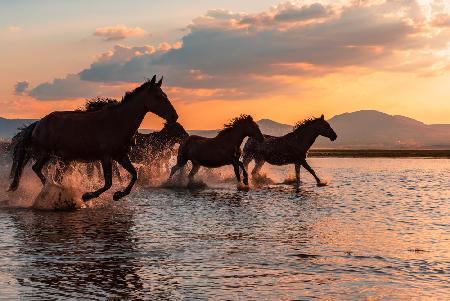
<point>172,118</point>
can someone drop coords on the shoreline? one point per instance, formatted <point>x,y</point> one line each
<point>379,153</point>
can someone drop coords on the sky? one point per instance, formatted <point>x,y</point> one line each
<point>279,60</point>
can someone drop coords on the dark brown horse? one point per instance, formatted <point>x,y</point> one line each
<point>288,149</point>
<point>91,105</point>
<point>224,149</point>
<point>103,135</point>
<point>156,148</point>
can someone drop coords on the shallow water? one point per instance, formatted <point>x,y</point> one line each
<point>379,230</point>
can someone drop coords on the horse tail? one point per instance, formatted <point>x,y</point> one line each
<point>19,145</point>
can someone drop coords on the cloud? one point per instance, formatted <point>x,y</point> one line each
<point>240,55</point>
<point>118,32</point>
<point>21,87</point>
<point>441,20</point>
<point>15,29</point>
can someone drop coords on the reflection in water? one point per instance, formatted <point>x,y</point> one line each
<point>83,253</point>
<point>378,231</point>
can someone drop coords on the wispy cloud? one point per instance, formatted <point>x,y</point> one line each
<point>118,32</point>
<point>14,29</point>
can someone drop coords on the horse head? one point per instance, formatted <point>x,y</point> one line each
<point>156,101</point>
<point>175,131</point>
<point>252,129</point>
<point>324,128</point>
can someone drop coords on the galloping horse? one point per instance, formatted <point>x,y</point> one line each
<point>91,105</point>
<point>288,149</point>
<point>103,135</point>
<point>224,149</point>
<point>155,148</point>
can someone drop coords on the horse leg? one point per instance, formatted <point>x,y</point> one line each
<point>311,171</point>
<point>297,176</point>
<point>194,170</point>
<point>126,163</point>
<point>244,173</point>
<point>107,173</point>
<point>258,165</point>
<point>180,164</point>
<point>247,158</point>
<point>37,168</point>
<point>237,171</point>
<point>17,169</point>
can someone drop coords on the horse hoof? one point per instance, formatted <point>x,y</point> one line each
<point>241,187</point>
<point>118,195</point>
<point>321,184</point>
<point>87,196</point>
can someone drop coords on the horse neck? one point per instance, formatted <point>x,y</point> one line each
<point>234,136</point>
<point>306,137</point>
<point>131,112</point>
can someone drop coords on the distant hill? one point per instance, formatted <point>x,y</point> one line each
<point>366,129</point>
<point>8,127</point>
<point>373,129</point>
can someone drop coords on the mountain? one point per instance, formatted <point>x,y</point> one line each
<point>376,130</point>
<point>8,127</point>
<point>366,129</point>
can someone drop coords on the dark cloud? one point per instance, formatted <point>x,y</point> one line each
<point>21,87</point>
<point>65,88</point>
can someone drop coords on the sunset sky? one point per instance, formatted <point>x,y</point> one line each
<point>279,60</point>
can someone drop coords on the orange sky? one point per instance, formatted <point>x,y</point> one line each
<point>285,62</point>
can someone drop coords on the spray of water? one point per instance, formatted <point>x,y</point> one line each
<point>77,180</point>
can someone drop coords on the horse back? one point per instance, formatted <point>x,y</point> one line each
<point>209,152</point>
<point>80,135</point>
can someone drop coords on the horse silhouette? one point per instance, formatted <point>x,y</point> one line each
<point>155,149</point>
<point>93,104</point>
<point>291,148</point>
<point>103,135</point>
<point>224,149</point>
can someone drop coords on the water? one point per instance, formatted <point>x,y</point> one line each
<point>379,230</point>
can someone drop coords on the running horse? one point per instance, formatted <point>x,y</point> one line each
<point>224,149</point>
<point>291,148</point>
<point>103,135</point>
<point>155,149</point>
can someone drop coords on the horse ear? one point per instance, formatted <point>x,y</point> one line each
<point>160,82</point>
<point>153,79</point>
<point>322,117</point>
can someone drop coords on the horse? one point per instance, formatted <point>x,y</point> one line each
<point>156,148</point>
<point>223,149</point>
<point>91,105</point>
<point>291,148</point>
<point>103,135</point>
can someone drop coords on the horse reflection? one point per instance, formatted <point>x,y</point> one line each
<point>82,254</point>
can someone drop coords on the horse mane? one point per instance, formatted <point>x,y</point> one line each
<point>130,94</point>
<point>235,122</point>
<point>304,123</point>
<point>98,103</point>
